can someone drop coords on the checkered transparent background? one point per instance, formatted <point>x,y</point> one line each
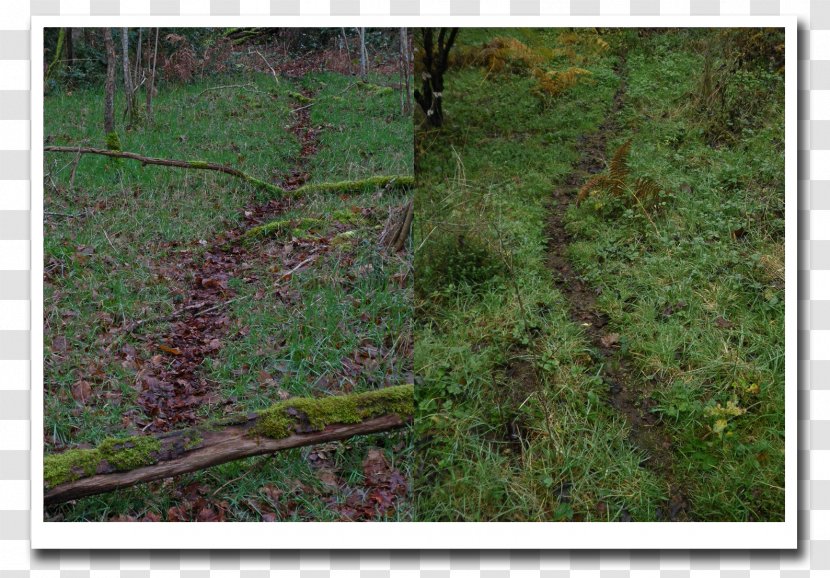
<point>813,555</point>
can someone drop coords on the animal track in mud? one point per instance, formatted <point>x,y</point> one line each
<point>633,403</point>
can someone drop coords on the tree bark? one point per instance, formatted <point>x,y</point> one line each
<point>109,85</point>
<point>403,232</point>
<point>183,451</point>
<point>70,47</point>
<point>406,100</point>
<point>128,84</point>
<point>364,65</point>
<point>435,61</point>
<point>152,86</point>
<point>345,41</point>
<point>59,49</point>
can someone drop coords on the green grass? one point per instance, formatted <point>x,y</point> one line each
<point>495,343</point>
<point>486,176</point>
<point>718,251</point>
<point>110,239</point>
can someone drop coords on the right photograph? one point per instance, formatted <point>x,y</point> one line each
<point>599,274</point>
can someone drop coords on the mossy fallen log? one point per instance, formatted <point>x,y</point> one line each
<point>144,160</point>
<point>122,462</point>
<point>393,182</point>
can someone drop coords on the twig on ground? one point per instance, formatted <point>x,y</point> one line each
<point>294,270</point>
<point>249,86</point>
<point>315,102</point>
<point>74,169</point>
<point>265,60</point>
<point>192,307</point>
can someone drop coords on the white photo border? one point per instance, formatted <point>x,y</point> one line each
<point>416,535</point>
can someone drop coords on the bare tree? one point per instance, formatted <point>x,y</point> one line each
<point>364,72</point>
<point>345,42</point>
<point>136,76</point>
<point>128,84</point>
<point>435,57</point>
<point>152,86</point>
<point>406,99</point>
<point>109,85</point>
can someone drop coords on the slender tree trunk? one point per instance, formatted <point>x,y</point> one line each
<point>152,86</point>
<point>405,86</point>
<point>56,59</point>
<point>109,85</point>
<point>348,52</point>
<point>136,75</point>
<point>364,72</point>
<point>128,84</point>
<point>70,47</point>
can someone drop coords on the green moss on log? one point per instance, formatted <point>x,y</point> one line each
<point>120,454</point>
<point>283,419</point>
<point>273,189</point>
<point>396,182</point>
<point>69,466</point>
<point>198,164</point>
<point>126,454</point>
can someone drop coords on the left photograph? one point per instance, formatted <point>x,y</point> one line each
<point>227,274</point>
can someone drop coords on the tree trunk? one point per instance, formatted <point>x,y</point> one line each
<point>364,65</point>
<point>119,463</point>
<point>128,84</point>
<point>109,85</point>
<point>406,100</point>
<point>435,62</point>
<point>152,86</point>
<point>56,59</point>
<point>136,75</point>
<point>70,47</point>
<point>348,52</point>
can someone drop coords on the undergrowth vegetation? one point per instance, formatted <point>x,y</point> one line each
<point>314,308</point>
<point>680,239</point>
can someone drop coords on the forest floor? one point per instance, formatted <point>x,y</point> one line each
<point>160,313</point>
<point>615,357</point>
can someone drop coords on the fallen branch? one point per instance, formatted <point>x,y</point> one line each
<point>119,463</point>
<point>198,165</point>
<point>198,307</point>
<point>265,60</point>
<point>394,182</point>
<point>403,233</point>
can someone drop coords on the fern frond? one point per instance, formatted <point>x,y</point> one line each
<point>647,191</point>
<point>595,183</point>
<point>619,168</point>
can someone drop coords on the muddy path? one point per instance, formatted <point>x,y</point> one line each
<point>625,392</point>
<point>171,383</point>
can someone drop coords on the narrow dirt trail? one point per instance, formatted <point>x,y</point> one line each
<point>172,384</point>
<point>624,392</point>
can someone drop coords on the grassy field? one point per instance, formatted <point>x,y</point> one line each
<point>629,366</point>
<point>316,309</point>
